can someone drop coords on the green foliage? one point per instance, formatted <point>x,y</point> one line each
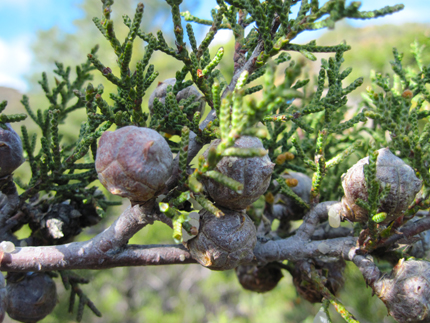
<point>304,117</point>
<point>9,118</point>
<point>319,116</point>
<point>397,110</point>
<point>55,167</point>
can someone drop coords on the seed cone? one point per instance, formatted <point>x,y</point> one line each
<point>254,173</point>
<point>389,170</point>
<point>32,296</point>
<point>161,92</point>
<point>224,243</point>
<point>134,162</point>
<point>406,292</point>
<point>10,151</point>
<point>258,279</point>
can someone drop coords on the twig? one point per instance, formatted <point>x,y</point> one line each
<point>316,215</point>
<point>109,249</point>
<point>11,205</point>
<point>294,249</point>
<point>407,231</point>
<point>86,255</point>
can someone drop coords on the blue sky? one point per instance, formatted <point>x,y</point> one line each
<point>20,19</point>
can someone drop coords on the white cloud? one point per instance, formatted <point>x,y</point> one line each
<point>15,60</point>
<point>222,37</point>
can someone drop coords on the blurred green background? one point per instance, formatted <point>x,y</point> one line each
<point>192,293</point>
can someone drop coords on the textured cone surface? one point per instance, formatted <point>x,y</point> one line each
<point>134,162</point>
<point>32,296</point>
<point>406,293</point>
<point>10,151</point>
<point>160,93</point>
<point>254,173</point>
<point>258,279</point>
<point>224,243</point>
<point>389,170</point>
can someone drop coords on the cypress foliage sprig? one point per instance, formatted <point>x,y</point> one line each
<point>343,155</point>
<point>208,205</point>
<point>300,153</point>
<point>392,111</point>
<point>183,155</point>
<point>216,24</point>
<point>106,71</point>
<point>10,118</point>
<point>71,282</point>
<point>110,32</point>
<point>55,144</point>
<point>29,149</point>
<point>285,189</point>
<point>225,116</point>
<point>189,17</point>
<point>134,26</point>
<point>224,180</point>
<point>177,27</point>
<point>191,37</point>
<point>216,96</point>
<point>257,74</point>
<point>244,152</point>
<point>252,90</point>
<point>216,60</point>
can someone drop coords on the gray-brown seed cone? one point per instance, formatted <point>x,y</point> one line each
<point>134,162</point>
<point>258,279</point>
<point>254,173</point>
<point>30,298</point>
<point>224,243</point>
<point>406,292</point>
<point>10,151</point>
<point>160,93</point>
<point>389,170</point>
